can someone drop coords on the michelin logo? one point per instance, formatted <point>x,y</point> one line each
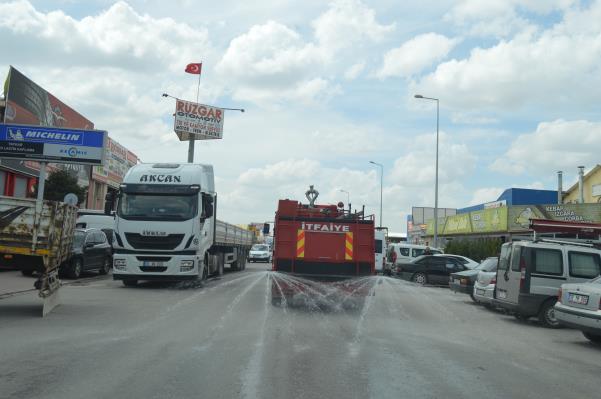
<point>45,136</point>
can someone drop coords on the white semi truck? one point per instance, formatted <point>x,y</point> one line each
<point>166,227</point>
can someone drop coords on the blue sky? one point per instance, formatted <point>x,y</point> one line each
<point>328,86</point>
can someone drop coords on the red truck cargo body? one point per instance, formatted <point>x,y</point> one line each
<point>322,241</point>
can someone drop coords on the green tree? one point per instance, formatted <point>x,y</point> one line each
<point>61,183</point>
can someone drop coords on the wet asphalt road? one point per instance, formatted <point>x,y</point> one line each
<point>226,340</point>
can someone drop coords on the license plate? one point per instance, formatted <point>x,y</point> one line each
<point>153,263</point>
<point>578,299</point>
<point>502,294</point>
<point>480,292</point>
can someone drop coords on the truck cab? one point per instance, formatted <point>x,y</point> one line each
<point>164,222</point>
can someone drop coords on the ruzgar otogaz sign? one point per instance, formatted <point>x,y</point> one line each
<point>198,121</point>
<point>50,144</point>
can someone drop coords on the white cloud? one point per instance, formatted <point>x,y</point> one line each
<point>354,71</point>
<point>416,54</point>
<point>118,36</point>
<point>557,67</point>
<point>274,64</point>
<point>416,168</point>
<point>499,18</point>
<point>553,146</point>
<point>346,23</point>
<point>485,194</point>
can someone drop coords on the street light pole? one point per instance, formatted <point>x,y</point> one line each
<point>348,196</point>
<point>192,140</point>
<point>436,174</point>
<point>381,185</point>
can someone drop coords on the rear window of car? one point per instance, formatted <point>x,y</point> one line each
<point>547,261</point>
<point>404,251</point>
<point>583,264</point>
<point>379,246</point>
<point>515,258</point>
<point>504,258</point>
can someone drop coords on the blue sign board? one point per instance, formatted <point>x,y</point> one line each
<point>51,144</point>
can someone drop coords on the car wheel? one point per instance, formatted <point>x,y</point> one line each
<point>28,272</point>
<point>473,297</point>
<point>76,267</point>
<point>595,338</point>
<point>420,278</point>
<point>106,265</point>
<point>130,283</point>
<point>547,315</point>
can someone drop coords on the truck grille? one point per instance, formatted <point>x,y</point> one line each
<point>139,241</point>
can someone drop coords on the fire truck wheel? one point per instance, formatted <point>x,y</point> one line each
<point>420,278</point>
<point>276,301</point>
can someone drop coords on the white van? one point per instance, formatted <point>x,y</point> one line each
<point>380,249</point>
<point>89,220</point>
<point>530,274</point>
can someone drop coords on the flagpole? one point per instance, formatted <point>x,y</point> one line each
<point>191,141</point>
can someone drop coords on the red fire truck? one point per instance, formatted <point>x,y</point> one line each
<point>321,242</point>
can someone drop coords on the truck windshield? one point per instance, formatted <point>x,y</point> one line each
<point>158,207</point>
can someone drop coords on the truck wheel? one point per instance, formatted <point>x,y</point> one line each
<point>547,314</point>
<point>130,283</point>
<point>106,265</point>
<point>205,272</point>
<point>76,266</point>
<point>276,301</point>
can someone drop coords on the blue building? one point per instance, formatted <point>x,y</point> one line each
<point>518,196</point>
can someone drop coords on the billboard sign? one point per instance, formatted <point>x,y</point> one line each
<point>519,216</point>
<point>491,220</point>
<point>118,160</point>
<point>198,121</point>
<point>49,144</point>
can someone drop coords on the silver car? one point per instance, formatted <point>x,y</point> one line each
<point>579,307</point>
<point>484,286</point>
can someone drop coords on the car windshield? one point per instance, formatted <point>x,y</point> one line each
<point>260,248</point>
<point>158,207</point>
<point>78,238</point>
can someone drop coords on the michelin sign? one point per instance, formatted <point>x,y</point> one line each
<point>49,144</point>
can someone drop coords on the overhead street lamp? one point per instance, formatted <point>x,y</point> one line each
<point>381,180</point>
<point>436,179</point>
<point>191,141</point>
<point>348,196</point>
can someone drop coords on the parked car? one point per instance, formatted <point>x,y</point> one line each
<point>89,220</point>
<point>579,307</point>
<point>90,251</point>
<point>484,286</point>
<point>431,269</point>
<point>469,263</point>
<point>530,274</point>
<point>402,252</point>
<point>464,281</point>
<point>259,253</point>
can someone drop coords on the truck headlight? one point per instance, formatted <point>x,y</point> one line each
<point>119,264</point>
<point>186,265</point>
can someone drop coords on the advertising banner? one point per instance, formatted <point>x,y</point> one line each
<point>519,216</point>
<point>198,121</point>
<point>491,220</point>
<point>118,160</point>
<point>29,104</point>
<point>52,144</point>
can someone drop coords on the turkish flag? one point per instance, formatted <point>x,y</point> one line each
<point>194,68</point>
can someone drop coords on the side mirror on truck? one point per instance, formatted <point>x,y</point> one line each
<point>207,207</point>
